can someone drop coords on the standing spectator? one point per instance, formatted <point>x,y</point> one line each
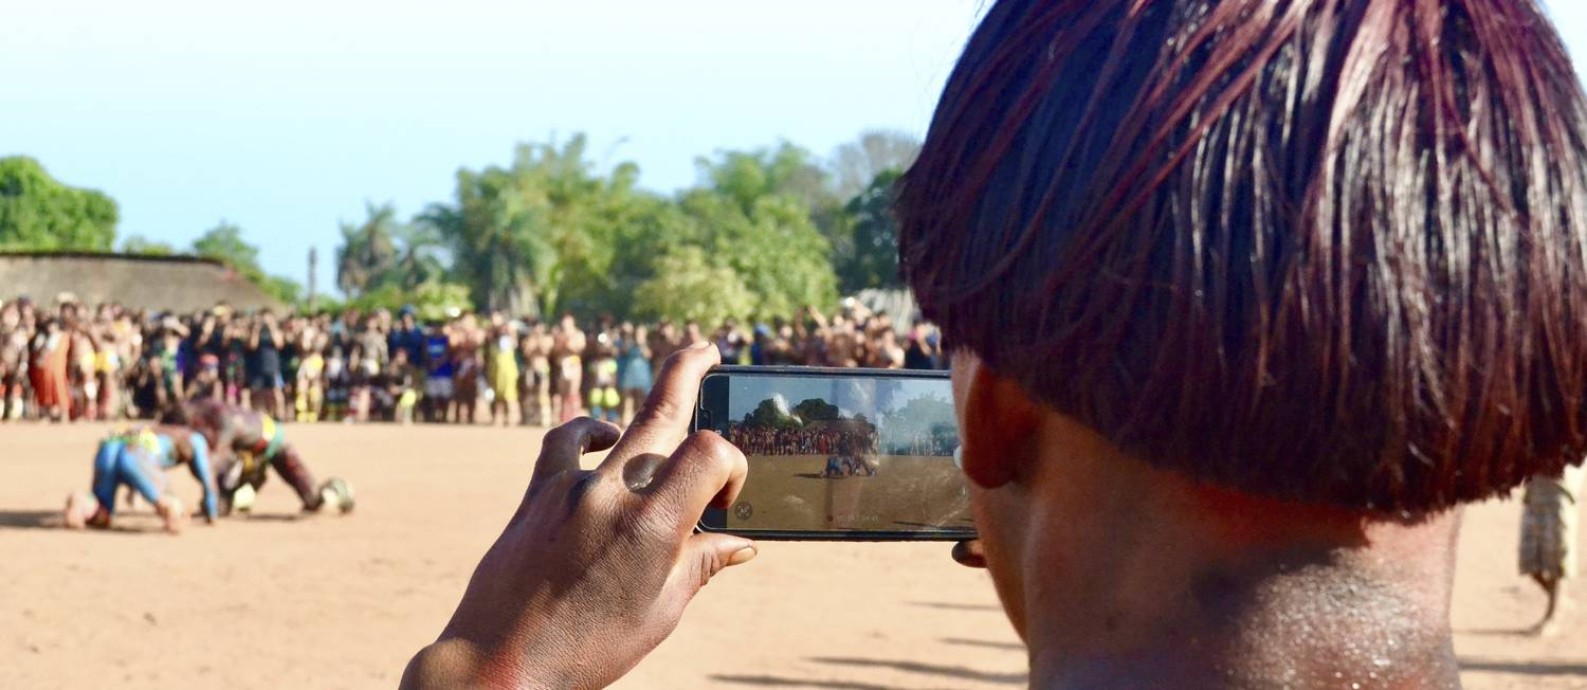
<point>13,361</point>
<point>731,342</point>
<point>1548,537</point>
<point>47,367</point>
<point>691,333</point>
<point>107,365</point>
<point>400,387</point>
<point>567,346</point>
<point>923,351</point>
<point>309,393</point>
<point>842,343</point>
<point>361,373</point>
<point>438,364</point>
<point>407,336</point>
<point>338,386</point>
<point>502,366</point>
<point>234,363</point>
<point>371,342</point>
<point>664,341</point>
<point>467,341</point>
<point>83,384</point>
<point>633,368</point>
<point>263,365</point>
<point>344,330</point>
<point>601,354</point>
<point>536,349</point>
<point>886,353</point>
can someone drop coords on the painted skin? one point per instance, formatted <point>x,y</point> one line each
<point>140,459</point>
<point>245,442</point>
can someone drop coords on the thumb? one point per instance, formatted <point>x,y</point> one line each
<point>706,554</point>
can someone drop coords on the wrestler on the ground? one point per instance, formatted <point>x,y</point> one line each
<point>244,443</point>
<point>139,458</point>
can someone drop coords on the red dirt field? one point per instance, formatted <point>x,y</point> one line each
<point>275,601</point>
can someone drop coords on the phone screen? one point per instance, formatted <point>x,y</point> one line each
<point>851,453</point>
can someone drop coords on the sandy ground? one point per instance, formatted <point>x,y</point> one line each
<point>329,602</point>
<point>908,494</point>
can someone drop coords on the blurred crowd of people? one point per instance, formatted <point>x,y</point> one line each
<point>831,440</point>
<point>73,361</point>
<point>807,440</point>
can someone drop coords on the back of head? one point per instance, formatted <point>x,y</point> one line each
<point>1322,250</point>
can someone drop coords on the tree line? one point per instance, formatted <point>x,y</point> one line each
<point>761,233</point>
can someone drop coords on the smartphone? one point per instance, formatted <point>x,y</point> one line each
<point>839,454</point>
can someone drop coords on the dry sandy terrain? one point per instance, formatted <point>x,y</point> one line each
<point>331,602</point>
<point>910,493</point>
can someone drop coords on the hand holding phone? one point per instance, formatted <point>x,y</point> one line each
<point>608,554</point>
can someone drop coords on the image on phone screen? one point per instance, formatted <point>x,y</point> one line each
<point>844,454</point>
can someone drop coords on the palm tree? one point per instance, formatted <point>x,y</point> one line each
<point>418,261</point>
<point>369,251</point>
<point>489,229</point>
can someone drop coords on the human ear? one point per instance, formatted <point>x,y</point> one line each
<point>998,425</point>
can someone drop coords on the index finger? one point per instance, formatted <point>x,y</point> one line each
<point>564,445</point>
<point>662,423</point>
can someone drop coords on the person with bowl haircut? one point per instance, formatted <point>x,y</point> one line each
<point>1244,299</point>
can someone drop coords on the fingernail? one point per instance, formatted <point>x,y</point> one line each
<point>742,556</point>
<point>700,345</point>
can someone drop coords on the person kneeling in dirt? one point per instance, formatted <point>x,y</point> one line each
<point>245,442</point>
<point>139,459</point>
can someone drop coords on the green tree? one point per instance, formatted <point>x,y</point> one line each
<point>225,243</point>
<point>785,170</point>
<point>755,220</point>
<point>39,213</point>
<point>143,246</point>
<point>418,258</point>
<point>817,410</point>
<point>867,257</point>
<point>767,415</point>
<point>687,285</point>
<point>368,252</point>
<point>514,231</point>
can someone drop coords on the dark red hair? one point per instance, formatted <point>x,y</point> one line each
<point>1321,250</point>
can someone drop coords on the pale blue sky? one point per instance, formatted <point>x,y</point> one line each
<point>285,117</point>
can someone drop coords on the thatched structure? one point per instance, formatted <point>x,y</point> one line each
<point>157,283</point>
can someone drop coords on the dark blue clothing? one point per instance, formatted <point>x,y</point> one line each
<point>438,360</point>
<point>411,341</point>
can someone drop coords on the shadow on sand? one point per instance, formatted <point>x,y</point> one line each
<point>954,672</point>
<point>781,682</point>
<point>1523,668</point>
<point>30,519</point>
<point>51,519</point>
<point>265,517</point>
<point>950,606</point>
<point>987,644</point>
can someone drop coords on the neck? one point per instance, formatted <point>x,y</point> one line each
<point>1188,586</point>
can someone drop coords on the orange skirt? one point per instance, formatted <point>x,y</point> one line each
<point>49,386</point>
